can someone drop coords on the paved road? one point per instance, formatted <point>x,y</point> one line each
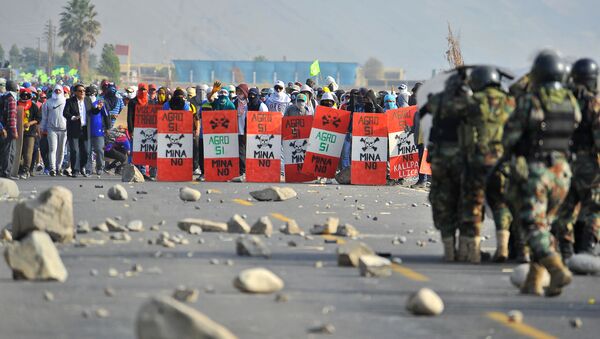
<point>357,307</point>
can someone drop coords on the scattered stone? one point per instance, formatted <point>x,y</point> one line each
<point>112,272</point>
<point>349,253</point>
<point>397,260</point>
<point>102,313</point>
<point>117,192</point>
<point>135,226</point>
<point>101,196</point>
<point>51,211</point>
<point>344,176</point>
<point>515,316</point>
<point>120,237</point>
<point>262,226</point>
<point>330,226</point>
<point>252,247</point>
<point>425,302</point>
<point>576,322</point>
<point>113,225</point>
<point>94,272</point>
<point>519,274</point>
<point>35,258</point>
<point>162,222</point>
<point>131,174</point>
<point>414,204</point>
<point>8,188</point>
<point>102,227</point>
<point>323,329</point>
<point>210,289</point>
<point>328,309</point>
<point>237,224</point>
<point>229,262</point>
<point>318,264</point>
<point>374,266</point>
<point>109,292</point>
<point>165,318</point>
<point>6,235</point>
<point>184,294</point>
<point>155,228</point>
<point>205,225</point>
<point>83,227</point>
<point>274,193</point>
<point>347,230</point>
<point>282,298</point>
<point>214,261</point>
<point>189,227</point>
<point>189,194</point>
<point>48,296</point>
<point>291,227</point>
<point>86,314</point>
<point>137,268</point>
<point>292,243</point>
<point>584,264</point>
<point>258,280</point>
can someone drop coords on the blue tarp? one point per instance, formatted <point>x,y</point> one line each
<point>265,71</point>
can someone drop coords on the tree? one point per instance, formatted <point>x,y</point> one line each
<point>30,58</point>
<point>1,54</point>
<point>109,63</point>
<point>14,56</point>
<point>260,58</point>
<point>79,28</point>
<point>373,69</point>
<point>454,53</point>
<point>93,61</point>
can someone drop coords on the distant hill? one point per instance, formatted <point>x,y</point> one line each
<point>408,34</point>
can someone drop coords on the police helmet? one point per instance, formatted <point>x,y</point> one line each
<point>585,72</point>
<point>484,76</point>
<point>548,67</point>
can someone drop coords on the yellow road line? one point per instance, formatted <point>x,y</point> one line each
<point>521,328</point>
<point>243,202</point>
<point>280,216</point>
<point>408,273</point>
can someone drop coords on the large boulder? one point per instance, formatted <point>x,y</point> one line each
<point>274,193</point>
<point>35,258</point>
<point>205,225</point>
<point>519,274</point>
<point>51,211</point>
<point>167,318</point>
<point>258,280</point>
<point>348,254</point>
<point>584,264</point>
<point>8,189</point>
<point>425,302</point>
<point>251,247</point>
<point>130,174</point>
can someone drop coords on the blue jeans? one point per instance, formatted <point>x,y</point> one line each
<point>95,145</point>
<point>347,151</point>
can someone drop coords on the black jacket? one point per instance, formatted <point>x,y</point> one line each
<point>74,129</point>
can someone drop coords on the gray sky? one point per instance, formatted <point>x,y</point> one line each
<point>408,34</point>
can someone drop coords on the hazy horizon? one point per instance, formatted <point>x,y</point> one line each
<point>411,35</point>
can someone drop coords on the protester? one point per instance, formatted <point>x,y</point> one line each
<point>117,147</point>
<point>279,100</point>
<point>8,128</point>
<point>55,126</point>
<point>403,96</point>
<point>299,107</point>
<point>152,96</point>
<point>113,103</point>
<point>328,100</point>
<point>222,102</point>
<point>77,112</point>
<point>389,102</point>
<point>31,118</point>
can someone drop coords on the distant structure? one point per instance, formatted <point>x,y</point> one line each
<point>261,72</point>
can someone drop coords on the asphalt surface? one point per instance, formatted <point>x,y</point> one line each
<point>357,307</point>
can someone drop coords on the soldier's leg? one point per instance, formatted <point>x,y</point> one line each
<point>496,197</point>
<point>442,199</point>
<point>473,199</point>
<point>588,185</point>
<point>546,190</point>
<point>562,226</point>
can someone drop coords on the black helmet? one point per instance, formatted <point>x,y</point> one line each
<point>548,67</point>
<point>484,76</point>
<point>12,86</point>
<point>585,72</point>
<point>91,90</point>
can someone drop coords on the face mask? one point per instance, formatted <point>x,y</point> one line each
<point>327,103</point>
<point>300,104</point>
<point>162,97</point>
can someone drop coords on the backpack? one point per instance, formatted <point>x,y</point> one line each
<point>3,109</point>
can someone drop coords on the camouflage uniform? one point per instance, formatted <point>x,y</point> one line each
<point>536,133</point>
<point>448,110</point>
<point>583,200</point>
<point>482,143</point>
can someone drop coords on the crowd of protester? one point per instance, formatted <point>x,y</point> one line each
<point>74,130</point>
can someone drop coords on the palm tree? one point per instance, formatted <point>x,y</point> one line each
<point>79,28</point>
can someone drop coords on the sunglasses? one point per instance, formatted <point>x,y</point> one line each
<point>80,91</point>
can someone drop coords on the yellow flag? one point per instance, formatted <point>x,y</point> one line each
<point>314,68</point>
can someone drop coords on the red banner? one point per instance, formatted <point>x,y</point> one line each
<point>425,165</point>
<point>296,131</point>
<point>175,145</point>
<point>144,135</point>
<point>221,148</point>
<point>325,143</point>
<point>369,149</point>
<point>403,152</point>
<point>263,147</point>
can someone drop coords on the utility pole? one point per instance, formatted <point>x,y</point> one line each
<point>39,61</point>
<point>49,37</point>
